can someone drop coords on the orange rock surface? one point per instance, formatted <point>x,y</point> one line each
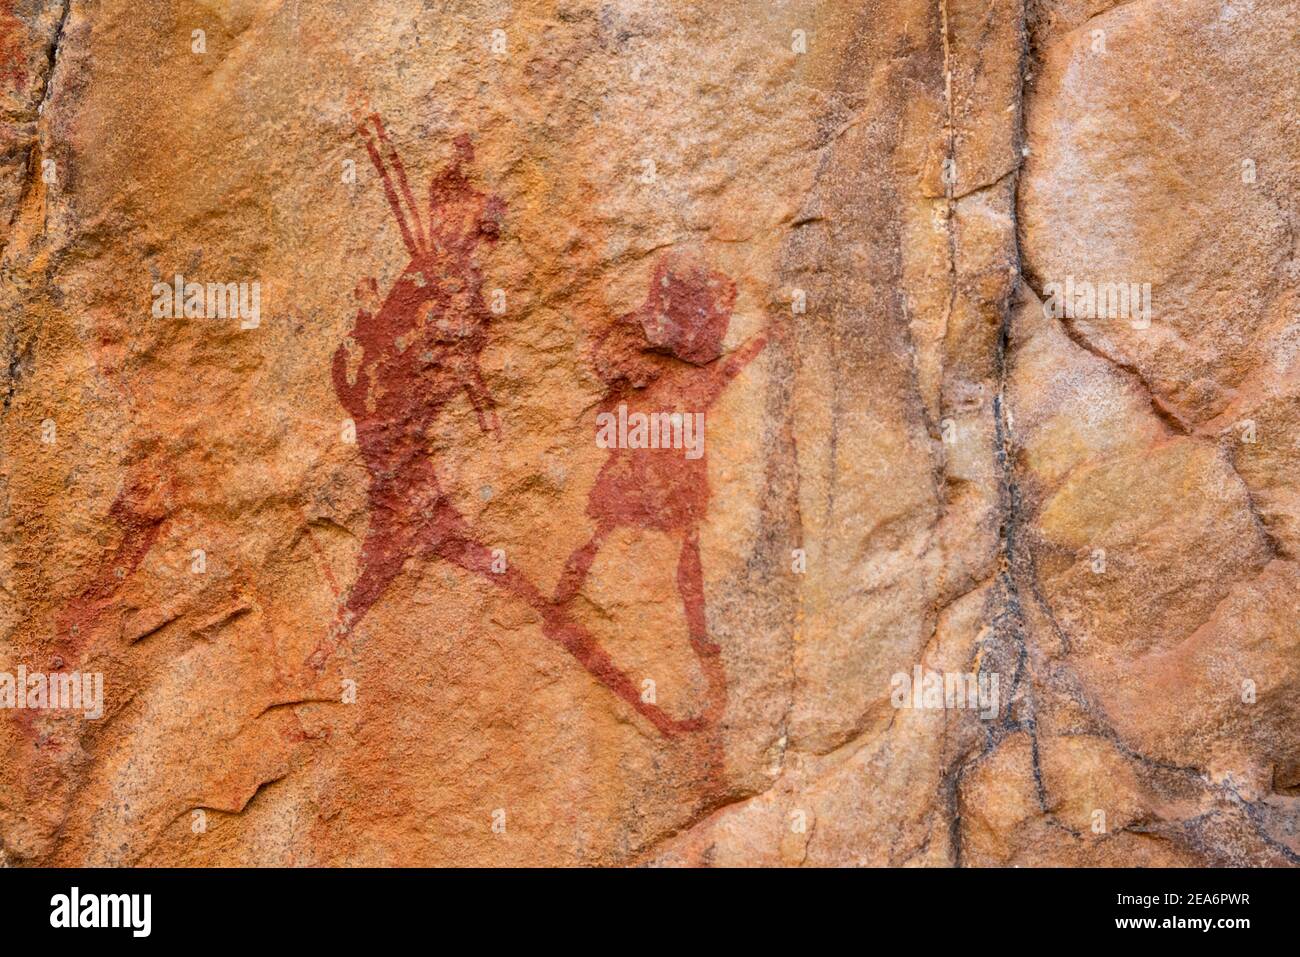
<point>333,337</point>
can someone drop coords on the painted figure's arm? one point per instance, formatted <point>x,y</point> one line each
<point>481,399</point>
<point>349,394</point>
<point>353,396</point>
<point>734,363</point>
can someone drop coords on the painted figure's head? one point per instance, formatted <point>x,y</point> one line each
<point>460,216</point>
<point>684,318</point>
<point>687,310</point>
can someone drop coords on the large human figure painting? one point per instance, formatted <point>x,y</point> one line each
<point>413,352</point>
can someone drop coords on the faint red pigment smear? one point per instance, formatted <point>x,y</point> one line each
<point>139,521</point>
<point>140,524</point>
<point>11,57</point>
<point>325,566</point>
<point>420,348</point>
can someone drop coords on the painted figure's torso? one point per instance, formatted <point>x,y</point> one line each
<point>418,351</point>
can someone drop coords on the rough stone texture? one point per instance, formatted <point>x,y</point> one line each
<point>428,602</point>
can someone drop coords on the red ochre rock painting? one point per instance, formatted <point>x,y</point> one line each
<point>665,355</point>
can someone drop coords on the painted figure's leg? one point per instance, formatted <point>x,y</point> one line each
<point>382,558</point>
<point>451,542</point>
<point>578,567</point>
<point>400,511</point>
<point>587,650</point>
<point>690,585</point>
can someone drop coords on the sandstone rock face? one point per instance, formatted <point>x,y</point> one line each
<point>332,331</point>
